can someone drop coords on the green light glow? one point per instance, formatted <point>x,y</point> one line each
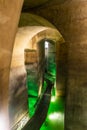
<point>53,98</point>
<point>44,87</point>
<point>55,116</point>
<point>32,85</point>
<point>32,105</point>
<point>51,68</point>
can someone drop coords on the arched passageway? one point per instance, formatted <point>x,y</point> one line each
<point>30,38</point>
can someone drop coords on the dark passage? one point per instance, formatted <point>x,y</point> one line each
<point>41,112</point>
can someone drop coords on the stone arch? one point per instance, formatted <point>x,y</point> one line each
<point>27,38</point>
<point>29,19</point>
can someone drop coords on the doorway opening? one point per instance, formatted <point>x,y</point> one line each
<point>40,66</point>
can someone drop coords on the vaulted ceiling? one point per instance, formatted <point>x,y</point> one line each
<point>34,3</point>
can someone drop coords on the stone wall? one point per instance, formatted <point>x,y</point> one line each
<point>9,16</point>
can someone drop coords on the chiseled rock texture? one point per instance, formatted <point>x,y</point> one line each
<point>70,17</point>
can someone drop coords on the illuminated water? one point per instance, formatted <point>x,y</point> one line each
<point>55,116</point>
<point>32,85</point>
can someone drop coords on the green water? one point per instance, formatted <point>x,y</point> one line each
<point>32,88</point>
<point>51,65</point>
<point>32,105</point>
<point>55,115</point>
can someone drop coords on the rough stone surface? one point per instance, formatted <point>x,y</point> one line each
<point>8,27</point>
<point>18,96</point>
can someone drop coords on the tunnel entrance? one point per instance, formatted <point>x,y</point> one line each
<point>29,40</point>
<point>46,111</point>
<point>40,66</point>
